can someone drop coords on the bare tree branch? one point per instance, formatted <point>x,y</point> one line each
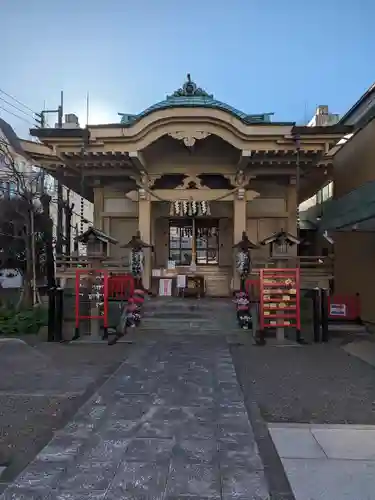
<point>21,218</point>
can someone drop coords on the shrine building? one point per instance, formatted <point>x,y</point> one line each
<point>191,173</point>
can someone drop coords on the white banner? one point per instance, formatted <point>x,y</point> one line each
<point>165,287</point>
<point>181,281</point>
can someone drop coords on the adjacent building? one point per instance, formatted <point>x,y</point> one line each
<point>82,215</point>
<point>346,214</point>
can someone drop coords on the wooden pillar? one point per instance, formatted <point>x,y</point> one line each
<point>144,226</point>
<point>98,207</point>
<point>292,208</point>
<point>106,222</point>
<point>291,205</point>
<point>239,225</point>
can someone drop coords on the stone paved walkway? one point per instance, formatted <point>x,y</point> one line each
<point>169,424</point>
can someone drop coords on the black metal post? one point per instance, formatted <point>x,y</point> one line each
<point>324,314</point>
<point>50,266</point>
<point>59,316</point>
<point>68,228</point>
<point>260,338</point>
<point>59,231</point>
<point>358,319</point>
<point>316,313</point>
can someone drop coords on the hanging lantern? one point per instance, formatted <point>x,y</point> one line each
<point>194,206</point>
<point>136,262</point>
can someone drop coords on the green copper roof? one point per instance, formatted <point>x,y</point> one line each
<point>191,96</point>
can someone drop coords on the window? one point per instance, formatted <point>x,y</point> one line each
<point>206,240</point>
<point>13,189</point>
<point>324,194</point>
<point>327,192</point>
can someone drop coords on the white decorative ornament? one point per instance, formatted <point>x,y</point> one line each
<point>194,207</point>
<point>241,193</point>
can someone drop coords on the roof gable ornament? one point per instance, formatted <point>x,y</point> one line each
<point>190,89</point>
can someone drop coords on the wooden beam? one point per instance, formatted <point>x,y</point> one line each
<point>192,194</point>
<point>107,172</point>
<point>138,160</point>
<point>244,159</point>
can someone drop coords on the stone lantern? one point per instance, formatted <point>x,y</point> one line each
<point>280,244</point>
<point>97,243</point>
<point>137,258</point>
<point>243,258</point>
<point>92,286</point>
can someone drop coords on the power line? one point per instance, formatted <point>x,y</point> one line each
<point>27,113</point>
<point>17,101</point>
<point>17,116</point>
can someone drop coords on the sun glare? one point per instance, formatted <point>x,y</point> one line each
<point>98,115</point>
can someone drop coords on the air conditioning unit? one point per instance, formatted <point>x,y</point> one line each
<point>70,121</point>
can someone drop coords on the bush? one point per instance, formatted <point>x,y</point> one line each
<point>21,322</point>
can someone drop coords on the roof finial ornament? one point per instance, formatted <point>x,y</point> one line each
<point>189,89</point>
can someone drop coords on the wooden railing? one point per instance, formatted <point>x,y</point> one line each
<point>68,264</point>
<point>308,264</point>
<point>314,263</point>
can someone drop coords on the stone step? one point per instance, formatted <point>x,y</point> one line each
<point>187,326</point>
<point>185,317</point>
<point>347,327</point>
<point>138,332</point>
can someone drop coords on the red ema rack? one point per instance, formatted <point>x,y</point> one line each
<point>280,298</point>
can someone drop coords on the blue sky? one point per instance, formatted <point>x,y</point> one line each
<point>282,56</point>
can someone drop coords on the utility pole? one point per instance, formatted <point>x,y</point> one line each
<point>50,266</point>
<point>298,180</point>
<point>41,117</point>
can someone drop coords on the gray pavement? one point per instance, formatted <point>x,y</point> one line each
<point>320,384</point>
<point>324,462</point>
<point>170,423</point>
<point>41,388</point>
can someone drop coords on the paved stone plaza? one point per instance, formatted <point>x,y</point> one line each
<point>324,462</point>
<point>169,424</point>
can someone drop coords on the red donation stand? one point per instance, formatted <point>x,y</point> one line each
<point>280,299</point>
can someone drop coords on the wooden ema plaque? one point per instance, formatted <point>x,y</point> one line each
<point>280,298</point>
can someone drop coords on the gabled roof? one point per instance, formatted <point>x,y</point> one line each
<point>100,235</point>
<point>281,236</point>
<point>362,111</point>
<point>11,138</point>
<point>191,96</point>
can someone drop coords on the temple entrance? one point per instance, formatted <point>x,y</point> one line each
<point>194,241</point>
